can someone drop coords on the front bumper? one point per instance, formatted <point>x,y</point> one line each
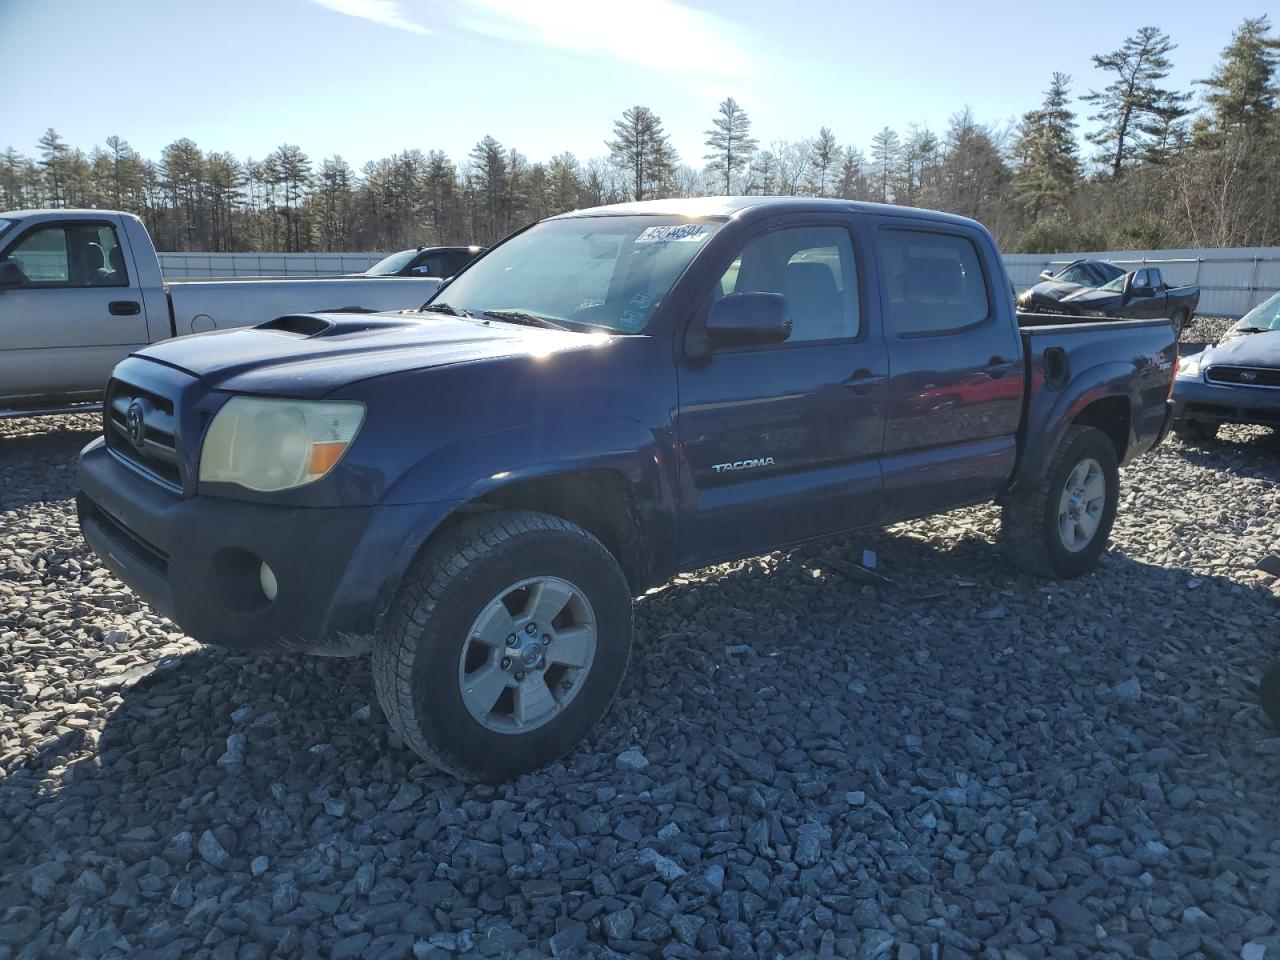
<point>197,560</point>
<point>1213,403</point>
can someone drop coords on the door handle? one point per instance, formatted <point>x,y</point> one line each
<point>997,367</point>
<point>862,381</point>
<point>124,308</point>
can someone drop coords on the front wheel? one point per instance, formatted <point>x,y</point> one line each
<point>1061,528</point>
<point>506,645</point>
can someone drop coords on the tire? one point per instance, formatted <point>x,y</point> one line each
<point>1194,431</point>
<point>432,646</point>
<point>1179,322</point>
<point>1032,526</point>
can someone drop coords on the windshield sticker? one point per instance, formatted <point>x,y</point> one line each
<point>641,300</point>
<point>631,320</point>
<point>682,232</point>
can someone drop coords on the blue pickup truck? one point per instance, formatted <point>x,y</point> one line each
<point>476,491</point>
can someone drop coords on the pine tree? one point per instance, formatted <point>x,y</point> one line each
<point>55,158</point>
<point>886,148</point>
<point>565,182</point>
<point>731,143</point>
<point>1242,91</point>
<point>1133,101</point>
<point>641,148</point>
<point>489,181</point>
<point>1049,166</point>
<point>823,156</point>
<point>852,183</point>
<point>12,186</point>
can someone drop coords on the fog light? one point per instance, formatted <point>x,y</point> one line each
<point>267,580</point>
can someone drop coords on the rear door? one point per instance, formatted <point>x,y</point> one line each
<point>782,442</point>
<point>956,371</point>
<point>78,313</point>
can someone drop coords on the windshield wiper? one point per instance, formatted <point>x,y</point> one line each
<point>1251,329</point>
<point>445,308</point>
<point>528,319</point>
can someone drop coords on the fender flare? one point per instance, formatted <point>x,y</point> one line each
<point>1044,430</point>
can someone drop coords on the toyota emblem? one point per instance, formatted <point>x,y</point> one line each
<point>1248,375</point>
<point>134,424</point>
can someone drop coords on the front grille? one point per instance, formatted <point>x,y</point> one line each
<point>1244,376</point>
<point>152,445</point>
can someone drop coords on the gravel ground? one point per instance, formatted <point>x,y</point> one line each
<point>961,762</point>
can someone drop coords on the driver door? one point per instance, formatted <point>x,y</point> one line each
<point>77,314</point>
<point>781,442</point>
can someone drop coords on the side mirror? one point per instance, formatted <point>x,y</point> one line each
<point>744,319</point>
<point>1046,274</point>
<point>11,275</point>
<point>1131,288</point>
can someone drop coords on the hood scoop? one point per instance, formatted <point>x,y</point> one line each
<point>309,325</point>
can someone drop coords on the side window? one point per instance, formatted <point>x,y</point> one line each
<point>71,255</point>
<point>42,256</point>
<point>813,267</point>
<point>432,266</point>
<point>934,282</point>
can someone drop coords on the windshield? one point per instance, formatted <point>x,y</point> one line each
<point>392,264</point>
<point>593,271</point>
<point>1265,316</point>
<point>1088,273</point>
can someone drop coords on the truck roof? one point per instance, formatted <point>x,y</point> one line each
<point>62,213</point>
<point>730,206</point>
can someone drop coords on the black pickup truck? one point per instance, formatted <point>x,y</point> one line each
<point>1096,288</point>
<point>477,490</point>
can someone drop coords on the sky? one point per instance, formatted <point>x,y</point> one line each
<point>368,78</point>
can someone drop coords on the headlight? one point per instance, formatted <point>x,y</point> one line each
<point>270,445</point>
<point>1189,367</point>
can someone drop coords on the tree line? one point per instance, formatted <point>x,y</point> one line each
<point>1168,168</point>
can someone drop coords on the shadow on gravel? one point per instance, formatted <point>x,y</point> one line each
<point>1255,455</point>
<point>962,733</point>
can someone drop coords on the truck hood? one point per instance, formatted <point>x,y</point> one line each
<point>1053,291</point>
<point>310,355</point>
<point>1248,350</point>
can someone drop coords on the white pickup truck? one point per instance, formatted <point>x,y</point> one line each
<point>80,290</point>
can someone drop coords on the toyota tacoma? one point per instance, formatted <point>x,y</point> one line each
<point>476,491</point>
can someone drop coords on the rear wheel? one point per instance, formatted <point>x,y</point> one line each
<point>506,645</point>
<point>1179,322</point>
<point>1061,528</point>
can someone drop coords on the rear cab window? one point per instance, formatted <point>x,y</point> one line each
<point>934,282</point>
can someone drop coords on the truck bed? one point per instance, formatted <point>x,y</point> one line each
<point>1115,359</point>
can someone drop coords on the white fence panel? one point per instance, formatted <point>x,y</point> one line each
<point>1231,281</point>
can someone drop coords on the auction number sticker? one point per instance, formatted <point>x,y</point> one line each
<point>675,233</point>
